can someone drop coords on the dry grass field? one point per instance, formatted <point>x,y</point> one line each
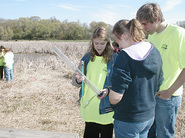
<point>41,97</point>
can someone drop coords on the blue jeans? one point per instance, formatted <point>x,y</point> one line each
<point>166,112</point>
<point>132,130</point>
<point>8,74</point>
<point>12,72</point>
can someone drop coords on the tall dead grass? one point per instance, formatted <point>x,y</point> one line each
<point>41,97</point>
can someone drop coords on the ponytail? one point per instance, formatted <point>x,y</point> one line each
<point>136,30</point>
<point>133,27</point>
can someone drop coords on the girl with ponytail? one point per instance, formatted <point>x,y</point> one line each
<point>137,76</point>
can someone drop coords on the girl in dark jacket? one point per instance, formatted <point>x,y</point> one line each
<point>137,76</point>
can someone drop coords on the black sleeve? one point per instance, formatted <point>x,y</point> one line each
<point>121,73</point>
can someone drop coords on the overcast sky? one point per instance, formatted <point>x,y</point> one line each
<point>86,11</point>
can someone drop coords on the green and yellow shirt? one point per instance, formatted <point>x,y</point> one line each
<point>1,58</point>
<point>96,73</point>
<point>171,45</point>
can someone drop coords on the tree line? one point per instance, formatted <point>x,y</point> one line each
<point>181,23</point>
<point>35,28</point>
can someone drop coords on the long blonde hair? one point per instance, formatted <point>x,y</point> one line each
<point>102,34</point>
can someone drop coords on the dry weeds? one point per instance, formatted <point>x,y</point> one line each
<point>42,98</point>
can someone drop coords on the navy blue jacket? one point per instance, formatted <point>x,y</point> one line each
<point>138,80</point>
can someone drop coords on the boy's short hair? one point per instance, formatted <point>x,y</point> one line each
<point>150,12</point>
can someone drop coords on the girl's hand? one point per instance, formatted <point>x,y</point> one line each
<point>79,78</point>
<point>104,94</point>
